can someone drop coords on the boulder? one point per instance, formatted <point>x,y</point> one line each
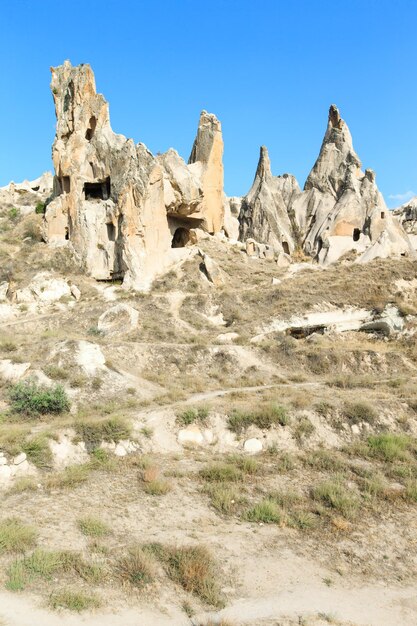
<point>252,446</point>
<point>120,318</point>
<point>212,270</point>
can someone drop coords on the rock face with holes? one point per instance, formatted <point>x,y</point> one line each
<point>407,216</point>
<point>113,201</point>
<point>265,212</point>
<point>341,208</point>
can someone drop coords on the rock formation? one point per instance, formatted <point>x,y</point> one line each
<point>124,211</point>
<point>339,210</point>
<point>265,210</point>
<point>407,216</point>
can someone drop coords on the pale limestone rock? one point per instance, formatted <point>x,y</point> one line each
<point>12,371</point>
<point>75,292</point>
<point>89,357</point>
<point>121,208</point>
<point>5,473</point>
<point>65,452</point>
<point>212,270</point>
<point>231,217</point>
<point>4,288</point>
<point>45,287</point>
<point>191,435</point>
<point>20,458</point>
<point>208,151</point>
<point>252,446</point>
<point>341,208</point>
<point>265,214</point>
<point>120,318</point>
<point>227,337</point>
<point>407,216</point>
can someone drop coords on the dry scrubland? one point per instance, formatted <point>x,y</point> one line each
<point>320,527</point>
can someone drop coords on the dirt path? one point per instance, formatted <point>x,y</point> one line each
<point>362,606</point>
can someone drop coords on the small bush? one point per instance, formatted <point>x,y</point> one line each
<point>136,568</point>
<point>390,447</point>
<point>267,512</point>
<point>16,536</point>
<point>265,418</point>
<point>31,399</point>
<point>221,472</point>
<point>38,451</point>
<point>194,569</point>
<point>303,429</point>
<point>69,478</point>
<point>358,412</point>
<point>40,208</point>
<point>336,496</point>
<point>92,527</point>
<point>93,433</point>
<point>157,487</point>
<point>73,600</point>
<point>14,213</point>
<point>226,499</point>
<point>190,416</point>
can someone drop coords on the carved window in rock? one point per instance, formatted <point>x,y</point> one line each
<point>99,190</point>
<point>356,234</point>
<point>181,237</point>
<point>382,215</point>
<point>91,128</point>
<point>286,247</point>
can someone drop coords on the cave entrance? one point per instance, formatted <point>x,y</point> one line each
<point>99,190</point>
<point>356,234</point>
<point>181,237</point>
<point>91,128</point>
<point>382,215</point>
<point>286,247</point>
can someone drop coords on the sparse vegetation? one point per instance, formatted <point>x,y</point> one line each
<point>16,536</point>
<point>265,418</point>
<point>192,415</point>
<point>358,412</point>
<point>136,567</point>
<point>73,600</point>
<point>31,399</point>
<point>93,527</point>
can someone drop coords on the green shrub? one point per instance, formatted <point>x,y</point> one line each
<point>265,418</point>
<point>31,399</point>
<point>92,527</point>
<point>40,208</point>
<point>38,451</point>
<point>390,447</point>
<point>14,213</point>
<point>110,429</point>
<point>221,472</point>
<point>136,567</point>
<point>73,600</point>
<point>192,415</point>
<point>15,536</point>
<point>336,496</point>
<point>267,512</point>
<point>357,412</point>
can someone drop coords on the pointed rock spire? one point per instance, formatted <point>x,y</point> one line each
<point>337,163</point>
<point>263,170</point>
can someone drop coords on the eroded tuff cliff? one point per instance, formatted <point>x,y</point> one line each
<point>124,211</point>
<point>339,210</point>
<point>265,210</point>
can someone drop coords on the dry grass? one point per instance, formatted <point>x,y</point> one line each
<point>73,600</point>
<point>15,536</point>
<point>135,568</point>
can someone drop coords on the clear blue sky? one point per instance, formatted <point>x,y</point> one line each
<point>269,69</point>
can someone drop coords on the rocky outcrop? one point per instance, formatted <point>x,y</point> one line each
<point>125,212</point>
<point>341,208</point>
<point>27,194</point>
<point>265,213</point>
<point>407,216</point>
